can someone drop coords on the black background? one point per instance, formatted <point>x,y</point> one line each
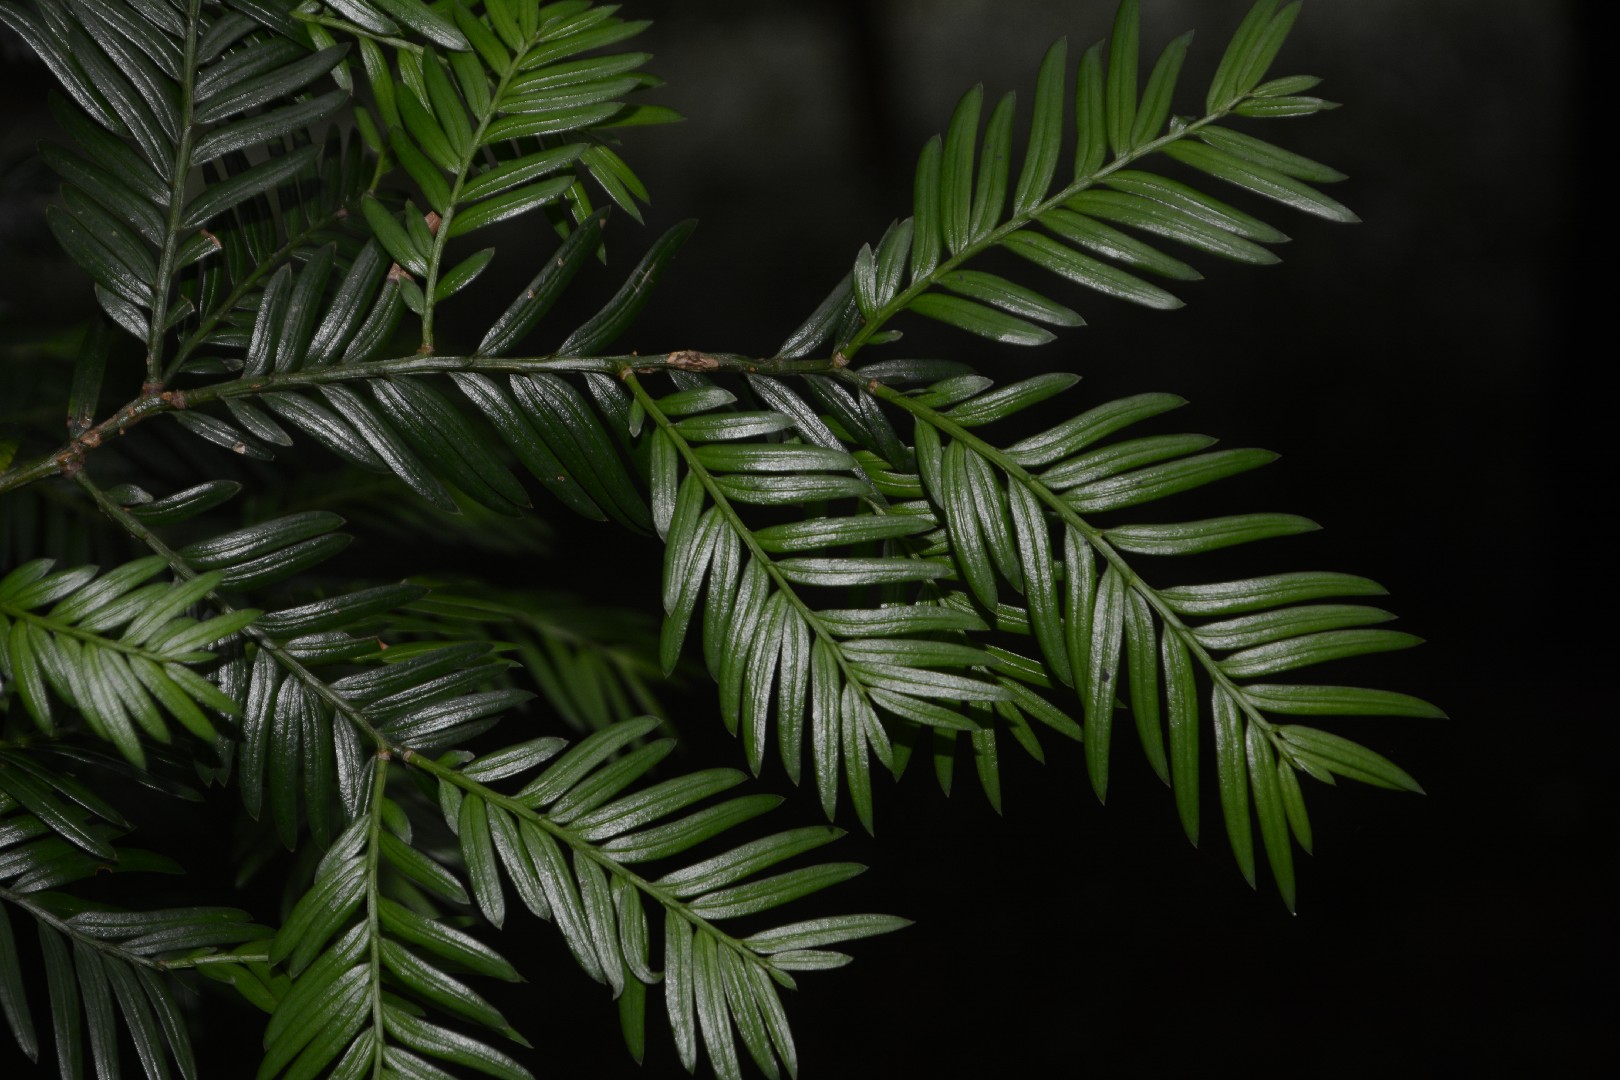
<point>1429,377</point>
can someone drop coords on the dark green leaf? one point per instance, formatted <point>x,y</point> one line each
<point>1271,156</point>
<point>1084,270</point>
<point>1247,43</point>
<point>238,95</point>
<point>1262,593</point>
<point>1160,481</point>
<point>421,869</point>
<point>13,995</point>
<point>1089,427</point>
<point>614,318</point>
<point>429,23</point>
<point>1252,631</point>
<point>1191,203</point>
<point>1107,639</point>
<point>1124,45</point>
<point>1293,800</point>
<point>1161,87</point>
<point>509,205</point>
<point>1269,808</point>
<point>1309,649</point>
<point>462,274</point>
<point>268,127</point>
<point>672,838</point>
<point>444,941</point>
<point>926,220</point>
<point>393,237</point>
<point>1195,537</point>
<point>1112,244</point>
<point>1233,776</point>
<point>978,319</point>
<point>990,193</point>
<point>222,196</point>
<point>1045,130</point>
<point>1337,701</point>
<point>1261,180</point>
<point>956,172</point>
<point>1347,758</point>
<point>533,303</point>
<point>1009,297</point>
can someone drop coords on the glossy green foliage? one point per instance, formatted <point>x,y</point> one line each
<point>103,969</point>
<point>592,665</point>
<point>872,565</point>
<point>1101,227</point>
<point>118,649</point>
<point>1048,519</point>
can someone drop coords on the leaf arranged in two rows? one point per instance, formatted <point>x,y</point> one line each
<point>134,107</point>
<point>98,961</point>
<point>592,666</point>
<point>94,991</point>
<point>406,425</point>
<point>582,799</point>
<point>1096,622</point>
<point>1101,231</point>
<point>119,648</point>
<point>298,747</point>
<point>525,99</point>
<point>220,297</point>
<point>822,674</point>
<point>344,941</point>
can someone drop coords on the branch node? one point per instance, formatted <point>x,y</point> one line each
<point>692,360</point>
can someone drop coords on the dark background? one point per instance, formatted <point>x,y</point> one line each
<point>1428,378</point>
